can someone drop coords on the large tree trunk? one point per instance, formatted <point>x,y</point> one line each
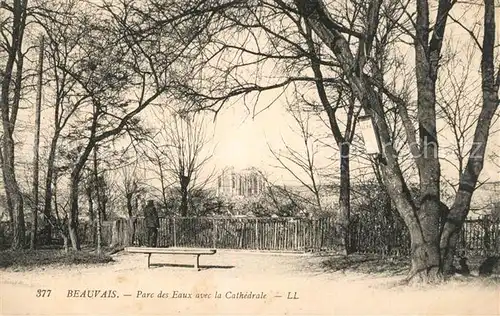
<point>13,192</point>
<point>74,192</point>
<point>426,61</point>
<point>9,106</point>
<point>425,259</point>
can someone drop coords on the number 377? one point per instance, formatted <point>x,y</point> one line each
<point>43,293</point>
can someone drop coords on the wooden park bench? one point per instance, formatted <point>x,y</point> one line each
<point>173,251</point>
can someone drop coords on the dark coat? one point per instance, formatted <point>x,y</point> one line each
<point>151,216</point>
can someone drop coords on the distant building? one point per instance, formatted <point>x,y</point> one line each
<point>246,183</point>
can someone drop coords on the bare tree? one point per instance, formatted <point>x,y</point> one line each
<point>13,30</point>
<point>302,163</point>
<point>490,100</point>
<point>422,219</point>
<point>36,146</point>
<point>63,31</point>
<point>180,152</point>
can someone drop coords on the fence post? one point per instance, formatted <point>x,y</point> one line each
<point>275,245</point>
<point>257,233</point>
<point>214,233</point>
<point>175,233</point>
<point>315,234</point>
<point>296,237</point>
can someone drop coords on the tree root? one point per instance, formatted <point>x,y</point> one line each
<point>423,276</point>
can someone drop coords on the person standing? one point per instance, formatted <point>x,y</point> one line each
<point>152,223</point>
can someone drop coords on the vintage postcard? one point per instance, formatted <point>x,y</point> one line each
<point>249,157</point>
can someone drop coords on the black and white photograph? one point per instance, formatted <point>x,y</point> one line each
<point>249,157</point>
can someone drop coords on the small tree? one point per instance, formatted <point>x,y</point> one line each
<point>63,33</point>
<point>132,188</point>
<point>302,163</point>
<point>180,152</point>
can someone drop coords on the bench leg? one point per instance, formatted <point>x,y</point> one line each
<point>197,263</point>
<point>149,259</point>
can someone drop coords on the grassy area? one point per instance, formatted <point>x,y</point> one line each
<point>373,264</point>
<point>367,264</point>
<point>34,258</point>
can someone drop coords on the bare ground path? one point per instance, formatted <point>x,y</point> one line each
<point>272,277</point>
